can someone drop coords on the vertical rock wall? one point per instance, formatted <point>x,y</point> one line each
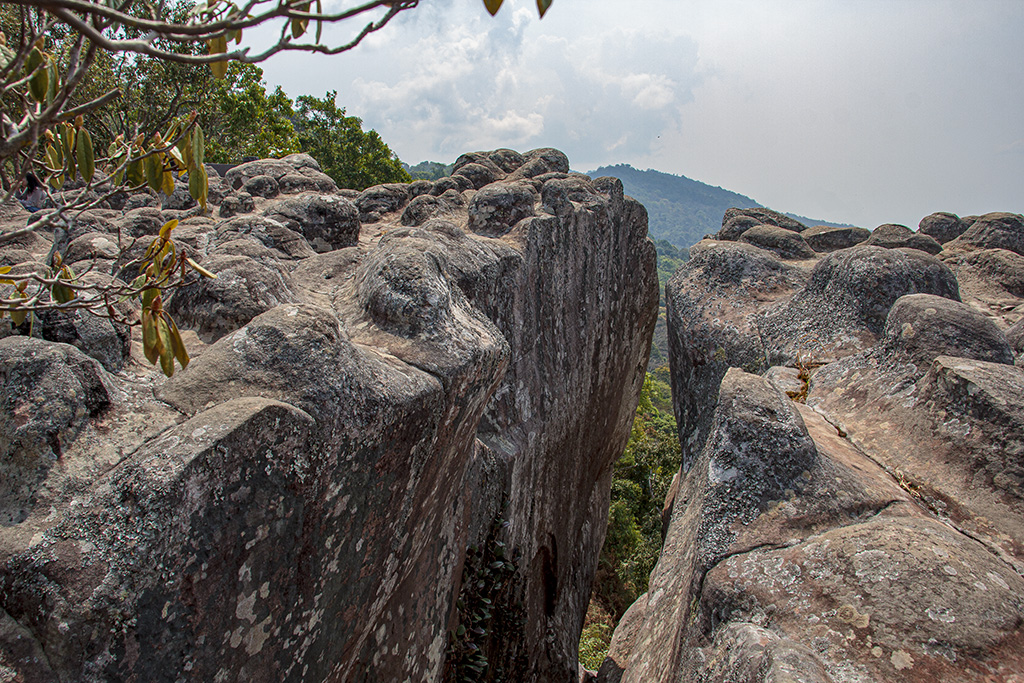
<point>297,505</point>
<point>855,514</point>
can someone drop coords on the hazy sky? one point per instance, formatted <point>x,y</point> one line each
<point>858,111</point>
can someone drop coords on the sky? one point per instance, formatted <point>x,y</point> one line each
<point>857,111</point>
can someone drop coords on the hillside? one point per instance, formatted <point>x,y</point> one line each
<point>681,210</point>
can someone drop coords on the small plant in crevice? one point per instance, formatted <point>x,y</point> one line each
<point>489,611</point>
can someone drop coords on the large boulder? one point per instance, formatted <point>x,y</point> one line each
<point>993,279</point>
<point>843,308</point>
<point>368,427</point>
<point>786,244</point>
<point>496,209</point>
<point>791,555</point>
<point>993,231</point>
<point>294,173</point>
<point>766,217</point>
<point>712,304</point>
<point>243,289</point>
<point>374,202</point>
<point>922,327</point>
<point>825,239</point>
<point>50,392</point>
<point>942,226</point>
<point>736,225</point>
<point>269,232</point>
<point>895,236</point>
<point>327,222</point>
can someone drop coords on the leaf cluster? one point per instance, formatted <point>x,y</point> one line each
<point>487,611</point>
<point>164,266</point>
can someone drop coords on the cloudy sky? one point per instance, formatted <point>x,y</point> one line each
<point>861,111</point>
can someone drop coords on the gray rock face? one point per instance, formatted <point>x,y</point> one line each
<point>825,239</point>
<point>286,173</point>
<point>243,289</point>
<point>327,222</point>
<point>992,279</point>
<point>261,186</point>
<point>288,505</point>
<point>734,227</point>
<point>895,236</point>
<point>425,207</point>
<point>844,306</point>
<point>381,199</point>
<point>993,231</point>
<point>711,305</point>
<point>266,231</point>
<point>766,217</point>
<point>496,209</point>
<point>871,534</point>
<point>140,222</point>
<point>234,204</point>
<point>942,226</point>
<point>923,327</point>
<point>786,244</point>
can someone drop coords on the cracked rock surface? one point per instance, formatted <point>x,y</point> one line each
<point>866,524</point>
<point>374,390</point>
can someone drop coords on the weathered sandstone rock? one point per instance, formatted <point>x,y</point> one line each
<point>792,556</point>
<point>785,243</point>
<point>300,503</point>
<point>942,226</point>
<point>895,236</point>
<point>823,238</point>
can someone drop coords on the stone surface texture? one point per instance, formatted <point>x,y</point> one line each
<point>373,392</point>
<point>849,507</point>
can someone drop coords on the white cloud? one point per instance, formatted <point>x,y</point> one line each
<point>868,112</point>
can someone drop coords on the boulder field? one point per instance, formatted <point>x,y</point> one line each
<point>389,459</point>
<point>851,412</point>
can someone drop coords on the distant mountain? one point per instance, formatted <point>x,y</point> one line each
<point>681,210</point>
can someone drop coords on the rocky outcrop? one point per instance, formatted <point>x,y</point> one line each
<point>855,514</point>
<point>824,238</point>
<point>895,236</point>
<point>942,226</point>
<point>378,411</point>
<point>785,243</point>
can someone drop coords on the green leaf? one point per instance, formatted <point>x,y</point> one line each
<point>52,159</point>
<point>166,346</point>
<point>62,293</point>
<point>199,269</point>
<point>39,83</point>
<point>86,157</point>
<point>154,171</point>
<point>167,228</point>
<point>543,5</point>
<point>150,339</point>
<point>178,346</point>
<point>53,82</point>
<point>136,172</point>
<point>68,137</point>
<point>218,45</point>
<point>198,146</point>
<point>198,185</point>
<point>167,183</point>
<point>492,6</point>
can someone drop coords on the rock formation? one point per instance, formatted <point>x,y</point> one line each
<point>850,506</point>
<point>389,458</point>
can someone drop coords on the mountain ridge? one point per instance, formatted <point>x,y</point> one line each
<point>682,210</point>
